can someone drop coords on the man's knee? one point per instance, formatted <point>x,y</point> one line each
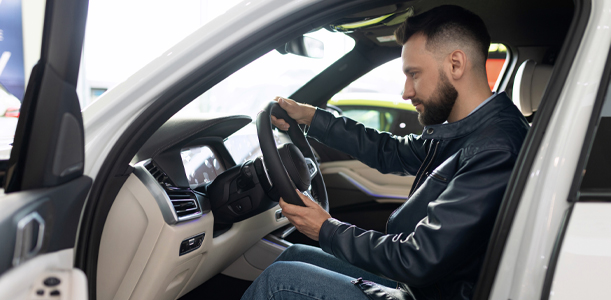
<point>295,252</point>
<point>272,277</point>
<point>285,273</point>
<point>277,270</point>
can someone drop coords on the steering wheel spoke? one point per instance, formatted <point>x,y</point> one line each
<point>312,167</point>
<point>309,195</point>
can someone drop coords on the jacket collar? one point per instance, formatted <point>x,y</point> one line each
<point>468,124</point>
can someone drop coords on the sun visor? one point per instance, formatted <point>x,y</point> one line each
<point>386,20</point>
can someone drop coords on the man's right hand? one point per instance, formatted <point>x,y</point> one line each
<point>302,113</point>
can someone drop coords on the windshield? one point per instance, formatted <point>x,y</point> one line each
<point>273,74</point>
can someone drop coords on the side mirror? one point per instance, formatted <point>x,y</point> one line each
<point>304,46</point>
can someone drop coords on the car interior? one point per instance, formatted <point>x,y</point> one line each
<point>193,219</point>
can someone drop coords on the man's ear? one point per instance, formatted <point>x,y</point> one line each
<point>458,64</point>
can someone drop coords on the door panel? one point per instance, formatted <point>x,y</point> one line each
<point>19,283</point>
<point>361,195</point>
<point>353,176</point>
<point>25,259</point>
<point>44,190</point>
<point>58,214</point>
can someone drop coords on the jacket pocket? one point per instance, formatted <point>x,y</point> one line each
<point>437,176</point>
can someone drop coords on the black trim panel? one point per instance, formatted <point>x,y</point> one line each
<point>50,95</point>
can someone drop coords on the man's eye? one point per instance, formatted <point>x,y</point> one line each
<point>412,74</point>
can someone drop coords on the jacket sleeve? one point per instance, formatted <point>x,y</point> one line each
<point>380,150</point>
<point>457,224</point>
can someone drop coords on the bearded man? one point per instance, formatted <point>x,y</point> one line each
<point>436,241</point>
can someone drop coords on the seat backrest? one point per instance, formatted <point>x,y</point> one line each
<point>529,84</point>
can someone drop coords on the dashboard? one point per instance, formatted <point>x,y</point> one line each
<point>210,163</point>
<point>197,200</point>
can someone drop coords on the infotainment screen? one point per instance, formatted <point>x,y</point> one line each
<point>201,165</point>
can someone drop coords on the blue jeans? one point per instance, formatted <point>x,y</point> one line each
<point>305,272</point>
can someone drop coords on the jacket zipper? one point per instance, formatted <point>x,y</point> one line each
<point>413,188</point>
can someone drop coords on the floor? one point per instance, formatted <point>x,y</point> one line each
<point>219,287</point>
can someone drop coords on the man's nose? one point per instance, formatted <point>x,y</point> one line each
<point>408,91</point>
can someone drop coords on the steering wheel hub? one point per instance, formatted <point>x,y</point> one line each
<point>295,165</point>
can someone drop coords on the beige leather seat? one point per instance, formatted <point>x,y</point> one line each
<point>529,84</point>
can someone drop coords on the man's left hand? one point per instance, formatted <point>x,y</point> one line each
<point>308,219</point>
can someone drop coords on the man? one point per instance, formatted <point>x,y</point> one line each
<point>435,242</point>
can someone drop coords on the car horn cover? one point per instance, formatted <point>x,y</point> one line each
<point>295,165</point>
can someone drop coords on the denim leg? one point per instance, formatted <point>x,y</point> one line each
<point>318,257</point>
<point>297,280</point>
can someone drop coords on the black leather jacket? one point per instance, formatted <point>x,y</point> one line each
<point>436,241</point>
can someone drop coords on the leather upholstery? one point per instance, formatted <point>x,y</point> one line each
<point>529,84</point>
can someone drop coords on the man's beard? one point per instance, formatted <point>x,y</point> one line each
<point>437,109</point>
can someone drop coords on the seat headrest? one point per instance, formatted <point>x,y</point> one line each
<point>529,84</point>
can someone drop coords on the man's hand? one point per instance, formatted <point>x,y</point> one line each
<point>308,219</point>
<point>302,113</point>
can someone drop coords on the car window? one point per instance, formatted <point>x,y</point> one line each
<point>497,57</point>
<point>140,31</point>
<point>370,117</point>
<point>595,177</point>
<point>273,74</point>
<point>375,98</point>
<point>21,25</point>
<point>397,121</point>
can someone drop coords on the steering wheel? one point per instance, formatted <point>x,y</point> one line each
<point>292,166</point>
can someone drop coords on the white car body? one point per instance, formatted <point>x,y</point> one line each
<point>544,201</point>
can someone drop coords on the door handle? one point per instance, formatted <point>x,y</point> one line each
<point>30,235</point>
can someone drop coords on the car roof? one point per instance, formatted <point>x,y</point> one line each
<point>550,20</point>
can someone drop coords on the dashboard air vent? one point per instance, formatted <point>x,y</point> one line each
<point>159,175</point>
<point>184,200</point>
<point>185,204</point>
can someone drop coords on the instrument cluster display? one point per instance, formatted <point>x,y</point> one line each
<point>201,165</point>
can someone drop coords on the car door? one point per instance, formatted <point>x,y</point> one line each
<point>44,187</point>
<point>583,245</point>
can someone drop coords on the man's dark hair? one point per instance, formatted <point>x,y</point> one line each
<point>447,24</point>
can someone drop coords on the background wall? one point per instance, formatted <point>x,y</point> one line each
<point>33,13</point>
